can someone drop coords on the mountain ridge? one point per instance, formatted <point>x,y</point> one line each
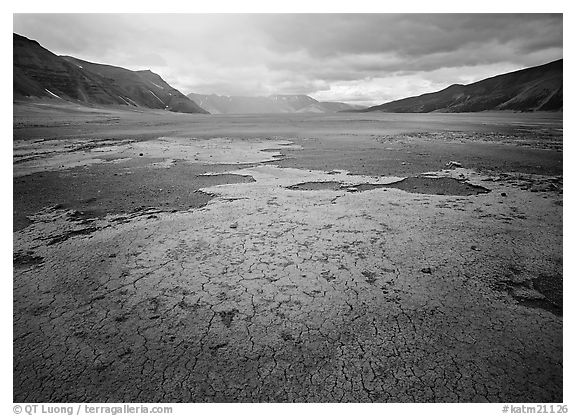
<point>537,88</point>
<point>278,103</point>
<point>37,72</point>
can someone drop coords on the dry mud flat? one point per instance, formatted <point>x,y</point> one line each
<point>298,285</point>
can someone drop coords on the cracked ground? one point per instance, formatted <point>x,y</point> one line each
<point>270,291</point>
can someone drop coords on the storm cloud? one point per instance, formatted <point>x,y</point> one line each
<point>357,58</point>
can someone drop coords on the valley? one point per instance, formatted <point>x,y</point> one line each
<point>169,257</point>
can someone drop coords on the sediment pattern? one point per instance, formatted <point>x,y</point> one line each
<point>275,294</point>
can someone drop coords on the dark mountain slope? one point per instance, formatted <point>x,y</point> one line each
<point>531,89</point>
<point>40,73</point>
<point>144,88</point>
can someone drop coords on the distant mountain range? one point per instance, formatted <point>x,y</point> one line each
<point>531,89</point>
<point>222,104</point>
<point>37,72</point>
<point>40,73</point>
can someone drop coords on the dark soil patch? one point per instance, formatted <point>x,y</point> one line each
<point>117,188</point>
<point>550,286</point>
<point>227,317</point>
<point>438,186</point>
<point>73,233</point>
<point>368,187</point>
<point>327,276</point>
<point>541,304</point>
<point>25,260</point>
<point>316,186</point>
<point>542,292</point>
<point>372,158</point>
<point>370,276</point>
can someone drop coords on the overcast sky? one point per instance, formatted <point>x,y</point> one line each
<point>360,58</point>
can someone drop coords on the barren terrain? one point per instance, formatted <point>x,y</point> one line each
<point>187,258</point>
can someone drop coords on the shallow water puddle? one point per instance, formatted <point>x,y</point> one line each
<point>418,185</point>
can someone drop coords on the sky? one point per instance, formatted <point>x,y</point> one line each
<point>363,59</point>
